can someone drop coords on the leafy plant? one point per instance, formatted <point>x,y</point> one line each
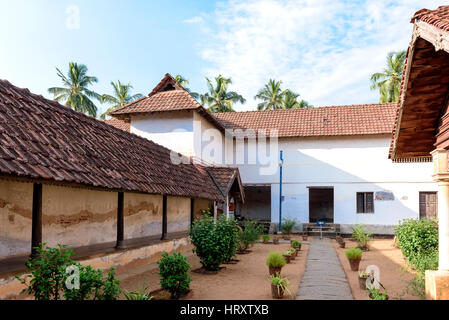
<point>212,240</point>
<point>361,236</point>
<point>364,274</point>
<point>296,243</point>
<point>265,238</point>
<point>143,293</point>
<point>376,294</point>
<point>49,276</point>
<point>288,253</point>
<point>249,235</point>
<point>47,272</point>
<point>282,283</point>
<point>287,225</point>
<point>354,254</point>
<point>173,270</point>
<point>276,260</point>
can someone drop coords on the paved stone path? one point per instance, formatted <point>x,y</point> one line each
<point>324,278</point>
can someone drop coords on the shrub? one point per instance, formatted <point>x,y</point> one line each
<point>230,237</point>
<point>49,276</point>
<point>47,272</point>
<point>173,270</point>
<point>249,235</point>
<point>296,243</point>
<point>287,225</point>
<point>361,236</point>
<point>354,254</point>
<point>276,260</point>
<point>417,238</point>
<point>212,241</point>
<point>266,238</point>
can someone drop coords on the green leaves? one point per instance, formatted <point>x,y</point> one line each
<point>361,236</point>
<point>249,235</point>
<point>173,270</point>
<point>218,99</point>
<point>354,254</point>
<point>215,242</point>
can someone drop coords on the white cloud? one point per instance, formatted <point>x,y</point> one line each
<point>324,49</point>
<point>196,19</point>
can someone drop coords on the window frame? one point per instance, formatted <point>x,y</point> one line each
<point>366,208</point>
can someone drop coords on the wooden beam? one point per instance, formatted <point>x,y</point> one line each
<point>120,221</point>
<point>36,223</point>
<point>164,217</point>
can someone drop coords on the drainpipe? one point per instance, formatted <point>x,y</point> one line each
<point>280,191</point>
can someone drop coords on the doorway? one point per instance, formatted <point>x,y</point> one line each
<point>428,205</point>
<point>321,204</point>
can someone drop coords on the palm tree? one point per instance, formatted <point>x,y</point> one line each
<point>184,82</point>
<point>271,95</point>
<point>389,81</point>
<point>122,95</point>
<point>218,98</point>
<point>291,101</point>
<point>75,92</point>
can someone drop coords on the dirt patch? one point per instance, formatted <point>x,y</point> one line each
<point>246,280</point>
<point>390,262</point>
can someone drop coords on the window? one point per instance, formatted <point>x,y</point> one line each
<point>365,202</point>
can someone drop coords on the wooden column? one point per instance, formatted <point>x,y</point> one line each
<point>120,221</point>
<point>164,218</point>
<point>192,210</point>
<point>36,224</point>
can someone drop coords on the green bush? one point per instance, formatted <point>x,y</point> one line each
<point>287,225</point>
<point>173,270</point>
<point>276,260</point>
<point>296,243</point>
<point>49,276</point>
<point>230,237</point>
<point>354,254</point>
<point>249,235</point>
<point>266,238</point>
<point>417,238</point>
<point>361,236</point>
<point>213,241</point>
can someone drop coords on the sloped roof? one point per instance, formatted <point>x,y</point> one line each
<point>424,86</point>
<point>41,139</point>
<point>438,17</point>
<point>361,119</point>
<point>119,124</point>
<point>225,178</point>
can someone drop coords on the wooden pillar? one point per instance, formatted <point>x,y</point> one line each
<point>164,217</point>
<point>120,221</point>
<point>215,211</point>
<point>227,206</point>
<point>192,210</point>
<point>36,224</point>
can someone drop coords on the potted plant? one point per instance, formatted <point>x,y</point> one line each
<point>376,294</point>
<point>305,237</point>
<point>275,240</point>
<point>288,256</point>
<point>296,244</point>
<point>275,262</point>
<point>362,279</point>
<point>354,256</point>
<point>279,285</point>
<point>265,238</point>
<point>293,252</point>
<point>287,227</point>
<point>342,244</point>
<point>339,239</point>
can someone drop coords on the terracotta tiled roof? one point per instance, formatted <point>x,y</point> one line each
<point>41,139</point>
<point>438,17</point>
<point>119,124</point>
<point>162,101</point>
<point>319,121</point>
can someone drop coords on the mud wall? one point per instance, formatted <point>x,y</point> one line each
<point>178,214</point>
<point>142,215</point>
<point>16,200</point>
<point>78,217</point>
<point>201,204</point>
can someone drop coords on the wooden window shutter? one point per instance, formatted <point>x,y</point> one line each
<point>369,202</point>
<point>360,202</point>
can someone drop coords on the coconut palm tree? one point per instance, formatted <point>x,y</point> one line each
<point>122,95</point>
<point>184,82</point>
<point>388,82</point>
<point>272,96</point>
<point>75,93</point>
<point>291,101</point>
<point>218,99</point>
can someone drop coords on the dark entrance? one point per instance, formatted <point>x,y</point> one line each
<point>257,203</point>
<point>321,204</point>
<point>428,204</point>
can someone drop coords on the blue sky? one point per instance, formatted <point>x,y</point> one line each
<point>325,50</point>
